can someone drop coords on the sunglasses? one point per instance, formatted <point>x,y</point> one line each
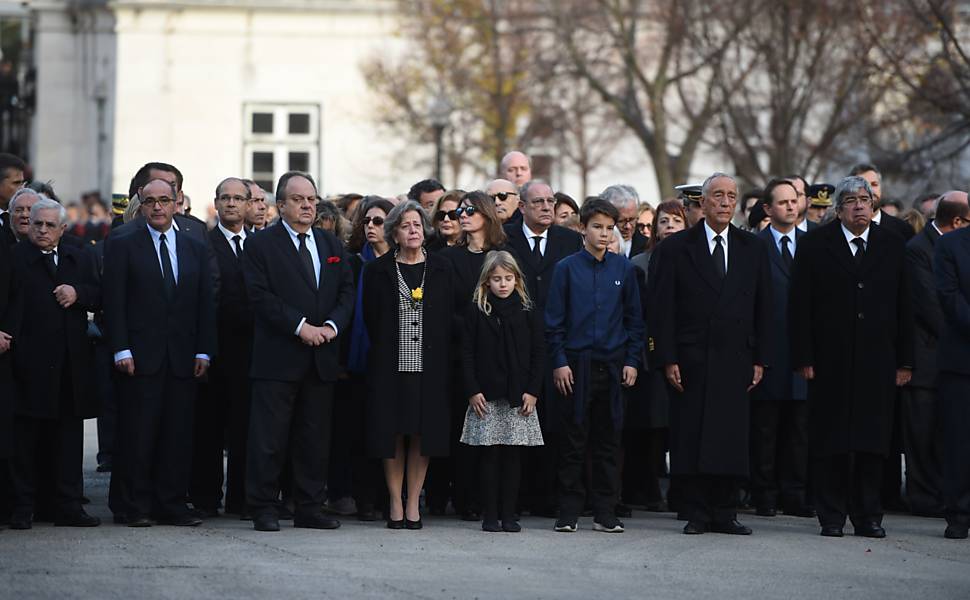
<point>466,210</point>
<point>378,221</point>
<point>503,196</point>
<point>451,214</point>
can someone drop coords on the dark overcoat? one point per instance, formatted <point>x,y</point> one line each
<point>951,267</point>
<point>928,316</point>
<point>854,325</point>
<point>47,335</point>
<point>9,393</point>
<point>716,331</point>
<point>381,315</point>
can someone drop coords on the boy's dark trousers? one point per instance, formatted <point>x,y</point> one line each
<point>597,432</point>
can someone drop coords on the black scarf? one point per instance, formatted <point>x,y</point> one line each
<point>505,318</point>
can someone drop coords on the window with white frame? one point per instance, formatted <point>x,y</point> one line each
<point>278,138</point>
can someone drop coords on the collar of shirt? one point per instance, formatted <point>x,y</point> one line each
<point>803,225</point>
<point>876,218</point>
<point>710,237</point>
<point>529,234</point>
<point>849,236</point>
<point>588,256</point>
<point>311,245</point>
<point>933,223</point>
<point>777,235</point>
<point>229,235</point>
<point>169,234</point>
<point>57,256</point>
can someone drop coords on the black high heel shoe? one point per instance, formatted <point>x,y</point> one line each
<point>413,524</point>
<point>391,524</point>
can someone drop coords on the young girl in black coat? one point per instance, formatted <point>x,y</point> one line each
<point>502,355</point>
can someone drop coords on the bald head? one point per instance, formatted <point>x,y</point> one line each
<point>516,167</point>
<point>952,211</point>
<point>505,195</point>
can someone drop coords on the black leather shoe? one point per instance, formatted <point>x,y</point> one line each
<point>367,514</point>
<point>78,519</point>
<point>695,528</point>
<point>658,506</point>
<point>766,511</point>
<point>315,521</point>
<point>408,523</point>
<point>491,525</point>
<point>801,511</point>
<point>138,521</point>
<point>21,521</point>
<point>831,531</point>
<point>511,526</point>
<point>955,532</point>
<point>206,513</point>
<point>120,519</point>
<point>266,522</point>
<point>391,524</point>
<point>730,528</point>
<point>183,520</point>
<point>870,530</point>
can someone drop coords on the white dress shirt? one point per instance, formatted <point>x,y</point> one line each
<point>849,236</point>
<point>57,257</point>
<point>803,226</point>
<point>876,217</point>
<point>711,244</point>
<point>529,234</point>
<point>229,235</point>
<point>777,235</point>
<point>311,245</point>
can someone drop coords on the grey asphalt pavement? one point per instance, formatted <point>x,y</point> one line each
<point>225,558</point>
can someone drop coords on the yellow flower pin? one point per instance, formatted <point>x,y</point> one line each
<point>417,294</point>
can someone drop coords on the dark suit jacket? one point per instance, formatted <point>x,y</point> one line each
<point>854,325</point>
<point>560,243</point>
<point>716,331</point>
<point>235,317</point>
<point>7,237</point>
<point>928,316</point>
<point>951,265</point>
<point>49,336</point>
<point>8,398</point>
<point>897,226</point>
<point>639,244</point>
<point>140,318</point>
<point>780,381</point>
<point>281,294</point>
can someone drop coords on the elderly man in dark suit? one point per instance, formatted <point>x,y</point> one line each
<point>160,317</point>
<point>539,246</point>
<point>779,411</point>
<point>627,201</point>
<point>52,292</point>
<point>951,267</point>
<point>922,429</point>
<point>852,339</point>
<point>301,290</point>
<point>709,322</point>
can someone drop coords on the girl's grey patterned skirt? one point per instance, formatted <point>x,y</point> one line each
<point>502,425</point>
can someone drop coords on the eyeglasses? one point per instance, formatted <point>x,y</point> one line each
<point>161,200</point>
<point>540,201</point>
<point>378,221</point>
<point>466,210</point>
<point>643,227</point>
<point>237,198</point>
<point>442,215</point>
<point>503,196</point>
<point>853,200</point>
<point>624,223</point>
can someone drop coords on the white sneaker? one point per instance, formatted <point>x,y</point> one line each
<point>566,526</point>
<point>609,525</point>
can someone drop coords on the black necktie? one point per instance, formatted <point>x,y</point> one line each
<point>168,275</point>
<point>536,247</point>
<point>307,260</point>
<point>50,264</point>
<point>718,255</point>
<point>861,252</point>
<point>236,240</point>
<point>786,256</point>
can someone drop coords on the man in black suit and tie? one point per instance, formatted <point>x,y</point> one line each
<point>222,412</point>
<point>11,179</point>
<point>922,428</point>
<point>301,291</point>
<point>53,290</point>
<point>852,339</point>
<point>951,267</point>
<point>539,246</point>
<point>709,322</point>
<point>160,317</point>
<point>627,201</point>
<point>779,411</point>
<point>874,178</point>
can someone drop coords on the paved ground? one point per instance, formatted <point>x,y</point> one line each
<point>225,558</point>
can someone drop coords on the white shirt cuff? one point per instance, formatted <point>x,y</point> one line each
<point>334,325</point>
<point>120,356</point>
<point>300,326</point>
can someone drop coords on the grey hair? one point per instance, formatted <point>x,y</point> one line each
<point>48,204</point>
<point>706,187</point>
<point>621,196</point>
<point>395,217</point>
<point>528,185</point>
<point>848,184</point>
<point>134,205</point>
<point>25,191</point>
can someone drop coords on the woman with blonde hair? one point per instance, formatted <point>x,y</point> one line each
<point>502,358</point>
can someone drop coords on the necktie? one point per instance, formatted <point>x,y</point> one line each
<point>307,260</point>
<point>236,240</point>
<point>537,247</point>
<point>786,256</point>
<point>168,275</point>
<point>861,249</point>
<point>50,264</point>
<point>718,255</point>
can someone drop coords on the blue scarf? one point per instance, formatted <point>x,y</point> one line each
<point>359,340</point>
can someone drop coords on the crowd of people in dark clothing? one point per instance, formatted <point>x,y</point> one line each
<point>486,354</point>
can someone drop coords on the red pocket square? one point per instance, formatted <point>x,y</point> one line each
<point>333,260</point>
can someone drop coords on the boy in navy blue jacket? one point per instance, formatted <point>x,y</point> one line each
<point>594,331</point>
